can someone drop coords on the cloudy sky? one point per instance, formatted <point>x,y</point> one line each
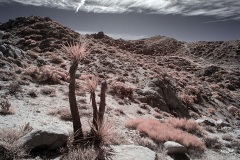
<point>187,20</point>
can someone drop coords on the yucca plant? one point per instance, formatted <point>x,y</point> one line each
<point>91,86</point>
<point>77,52</point>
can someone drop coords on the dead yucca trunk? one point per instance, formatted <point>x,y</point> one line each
<point>102,104</point>
<point>95,109</point>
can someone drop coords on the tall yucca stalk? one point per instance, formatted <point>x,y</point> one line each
<point>76,51</point>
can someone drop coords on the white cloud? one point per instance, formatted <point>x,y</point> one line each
<point>218,8</point>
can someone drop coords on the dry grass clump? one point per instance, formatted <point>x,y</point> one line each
<point>161,132</point>
<point>81,154</point>
<point>189,125</point>
<point>5,107</point>
<point>9,138</point>
<point>47,74</point>
<point>122,90</point>
<point>63,113</point>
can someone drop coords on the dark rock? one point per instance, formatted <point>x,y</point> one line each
<point>49,137</point>
<point>4,153</point>
<point>99,35</point>
<point>3,48</point>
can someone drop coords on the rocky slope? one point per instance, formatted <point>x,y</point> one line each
<point>198,80</point>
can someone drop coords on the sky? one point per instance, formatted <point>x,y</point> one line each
<point>185,20</point>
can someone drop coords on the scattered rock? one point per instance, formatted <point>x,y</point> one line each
<point>221,123</point>
<point>51,137</point>
<point>1,34</point>
<point>3,48</point>
<point>132,152</point>
<point>206,122</point>
<point>174,148</point>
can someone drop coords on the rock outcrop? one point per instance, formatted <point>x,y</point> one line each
<point>161,94</point>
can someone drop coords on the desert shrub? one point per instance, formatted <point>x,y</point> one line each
<point>187,99</point>
<point>14,88</point>
<point>189,125</point>
<point>122,90</point>
<point>32,54</point>
<point>7,75</point>
<point>47,74</point>
<point>48,91</point>
<point>63,113</point>
<point>56,59</point>
<point>212,142</point>
<point>33,93</point>
<point>234,111</point>
<point>161,132</point>
<point>227,137</point>
<point>5,107</point>
<point>9,137</point>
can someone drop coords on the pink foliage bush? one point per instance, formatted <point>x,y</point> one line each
<point>161,132</point>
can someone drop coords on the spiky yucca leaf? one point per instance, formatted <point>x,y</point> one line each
<point>76,51</point>
<point>90,84</point>
<point>103,133</point>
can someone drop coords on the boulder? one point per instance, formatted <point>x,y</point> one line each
<point>174,148</point>
<point>1,34</point>
<point>51,137</point>
<point>132,152</point>
<point>161,93</point>
<point>3,48</point>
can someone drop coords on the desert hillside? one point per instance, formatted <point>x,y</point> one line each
<point>158,79</point>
